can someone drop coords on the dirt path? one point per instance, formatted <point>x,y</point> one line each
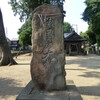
<point>85,72</point>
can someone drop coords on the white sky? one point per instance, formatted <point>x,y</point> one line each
<point>73,8</point>
<point>11,22</point>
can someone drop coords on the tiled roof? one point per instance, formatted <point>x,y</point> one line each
<point>73,36</point>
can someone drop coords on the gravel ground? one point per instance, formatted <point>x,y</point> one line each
<point>14,78</point>
<point>83,70</point>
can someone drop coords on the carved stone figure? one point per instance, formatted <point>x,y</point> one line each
<point>47,65</point>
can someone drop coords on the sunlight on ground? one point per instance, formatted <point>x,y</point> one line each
<point>83,70</point>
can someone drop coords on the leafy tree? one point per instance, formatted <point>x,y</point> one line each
<point>26,26</point>
<point>7,56</point>
<point>25,8</point>
<point>84,35</point>
<point>98,39</point>
<point>25,37</point>
<point>91,35</point>
<point>25,33</point>
<point>96,27</point>
<point>67,27</point>
<point>92,15</point>
<point>96,23</point>
<point>93,7</point>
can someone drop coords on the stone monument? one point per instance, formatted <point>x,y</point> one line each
<point>47,65</point>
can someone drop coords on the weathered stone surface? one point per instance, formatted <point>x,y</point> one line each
<point>47,65</point>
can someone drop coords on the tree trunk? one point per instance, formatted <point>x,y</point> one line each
<point>6,53</point>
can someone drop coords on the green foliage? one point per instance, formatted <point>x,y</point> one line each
<point>26,26</point>
<point>96,27</point>
<point>93,7</point>
<point>84,35</point>
<point>25,33</point>
<point>24,8</point>
<point>25,38</point>
<point>91,35</point>
<point>67,27</point>
<point>98,39</point>
<point>92,15</point>
<point>96,23</point>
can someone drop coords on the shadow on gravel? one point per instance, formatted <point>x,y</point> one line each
<point>90,90</point>
<point>92,74</point>
<point>90,62</point>
<point>9,87</point>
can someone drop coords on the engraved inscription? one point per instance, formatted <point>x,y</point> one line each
<point>47,57</point>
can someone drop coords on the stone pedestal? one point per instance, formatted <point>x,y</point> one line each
<point>29,93</point>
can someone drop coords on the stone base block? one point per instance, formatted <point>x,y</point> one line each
<point>29,93</point>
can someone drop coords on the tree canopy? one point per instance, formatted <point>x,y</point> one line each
<point>92,8</point>
<point>91,35</point>
<point>25,37</point>
<point>96,27</point>
<point>25,33</point>
<point>24,8</point>
<point>67,27</point>
<point>92,15</point>
<point>84,35</point>
<point>96,23</point>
